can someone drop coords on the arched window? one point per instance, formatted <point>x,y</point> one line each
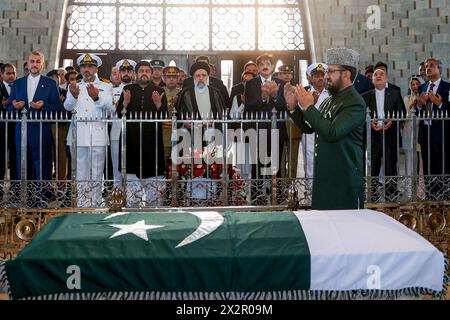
<point>166,28</point>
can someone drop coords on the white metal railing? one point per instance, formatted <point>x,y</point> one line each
<point>220,174</point>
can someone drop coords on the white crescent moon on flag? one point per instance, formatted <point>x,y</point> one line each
<point>116,215</point>
<point>210,221</point>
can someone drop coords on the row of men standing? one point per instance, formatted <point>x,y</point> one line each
<point>258,93</point>
<point>148,143</point>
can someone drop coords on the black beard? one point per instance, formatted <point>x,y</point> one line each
<point>334,89</point>
<point>144,82</point>
<point>126,79</point>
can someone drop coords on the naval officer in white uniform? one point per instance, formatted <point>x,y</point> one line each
<point>92,99</point>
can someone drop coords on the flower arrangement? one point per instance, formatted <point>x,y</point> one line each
<point>200,176</point>
<point>196,166</point>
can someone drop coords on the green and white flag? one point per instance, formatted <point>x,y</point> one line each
<point>207,255</point>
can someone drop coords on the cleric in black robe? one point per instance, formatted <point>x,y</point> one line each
<point>211,82</point>
<point>144,98</point>
<point>201,99</point>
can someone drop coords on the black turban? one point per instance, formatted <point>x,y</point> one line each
<point>200,65</point>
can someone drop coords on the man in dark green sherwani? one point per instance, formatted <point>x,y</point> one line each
<point>339,129</point>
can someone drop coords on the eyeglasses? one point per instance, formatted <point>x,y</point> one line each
<point>333,71</point>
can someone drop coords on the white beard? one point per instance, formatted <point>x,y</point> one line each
<point>200,87</point>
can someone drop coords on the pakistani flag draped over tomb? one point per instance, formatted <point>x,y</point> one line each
<point>207,255</point>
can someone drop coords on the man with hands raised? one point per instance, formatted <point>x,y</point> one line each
<point>92,99</point>
<point>39,95</point>
<point>434,135</point>
<point>144,141</point>
<point>339,129</point>
<point>262,94</point>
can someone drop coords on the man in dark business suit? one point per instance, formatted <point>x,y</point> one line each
<point>383,66</point>
<point>8,72</point>
<point>38,95</point>
<point>213,82</point>
<point>384,103</point>
<point>262,95</point>
<point>434,100</point>
<point>239,89</point>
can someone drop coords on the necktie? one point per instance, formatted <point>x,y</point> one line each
<point>429,103</point>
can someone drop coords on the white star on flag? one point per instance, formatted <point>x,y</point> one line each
<point>139,229</point>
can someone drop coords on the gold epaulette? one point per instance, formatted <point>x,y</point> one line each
<point>105,80</point>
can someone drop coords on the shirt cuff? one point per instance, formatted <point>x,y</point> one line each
<point>310,106</point>
<point>297,106</point>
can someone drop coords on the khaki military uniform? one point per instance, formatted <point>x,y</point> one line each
<point>171,95</point>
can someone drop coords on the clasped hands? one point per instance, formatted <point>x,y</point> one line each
<point>298,95</point>
<point>20,104</point>
<point>269,89</point>
<point>429,96</point>
<point>375,126</point>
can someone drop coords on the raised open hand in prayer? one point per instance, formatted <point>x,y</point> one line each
<point>157,98</point>
<point>93,92</point>
<point>74,90</point>
<point>126,98</point>
<point>304,98</point>
<point>289,96</point>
